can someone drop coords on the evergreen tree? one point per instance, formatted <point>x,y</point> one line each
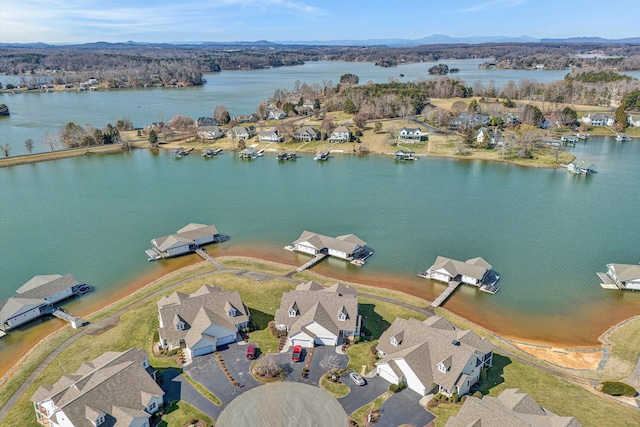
<point>621,117</point>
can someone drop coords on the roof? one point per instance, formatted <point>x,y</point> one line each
<point>347,243</point>
<point>207,306</point>
<point>314,303</point>
<point>44,286</point>
<point>626,272</point>
<point>186,235</point>
<point>16,305</point>
<point>114,384</point>
<point>511,408</point>
<point>423,345</point>
<point>341,129</point>
<point>474,267</point>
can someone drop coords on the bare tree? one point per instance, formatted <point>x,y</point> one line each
<point>28,145</point>
<point>6,148</point>
<point>50,140</point>
<point>459,107</point>
<point>267,366</point>
<point>327,125</point>
<point>329,362</point>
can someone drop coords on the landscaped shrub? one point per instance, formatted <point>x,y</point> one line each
<point>477,394</point>
<point>455,398</point>
<point>614,388</point>
<point>397,387</point>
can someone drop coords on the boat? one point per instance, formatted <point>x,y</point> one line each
<point>260,152</point>
<point>576,169</point>
<point>321,156</point>
<point>210,152</point>
<point>181,152</point>
<point>621,137</point>
<point>287,156</point>
<point>84,288</point>
<point>583,136</point>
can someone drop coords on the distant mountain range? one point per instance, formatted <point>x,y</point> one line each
<point>394,42</point>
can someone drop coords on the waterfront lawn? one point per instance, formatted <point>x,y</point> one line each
<point>377,316</point>
<point>244,263</point>
<point>181,413</point>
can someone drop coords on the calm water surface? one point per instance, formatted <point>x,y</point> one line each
<point>546,232</point>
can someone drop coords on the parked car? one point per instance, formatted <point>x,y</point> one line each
<point>251,350</point>
<point>297,353</point>
<point>357,379</point>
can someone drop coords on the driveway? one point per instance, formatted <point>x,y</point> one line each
<point>324,359</point>
<point>361,395</point>
<point>404,408</point>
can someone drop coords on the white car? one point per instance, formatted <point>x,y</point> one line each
<point>357,379</point>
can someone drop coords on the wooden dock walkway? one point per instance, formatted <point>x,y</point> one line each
<point>75,322</point>
<point>446,293</point>
<point>209,258</point>
<point>311,262</point>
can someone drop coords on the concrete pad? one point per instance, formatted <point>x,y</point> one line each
<point>284,404</point>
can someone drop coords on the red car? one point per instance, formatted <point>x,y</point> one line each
<point>297,352</point>
<point>251,351</point>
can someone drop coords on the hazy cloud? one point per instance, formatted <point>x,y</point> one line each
<point>493,3</point>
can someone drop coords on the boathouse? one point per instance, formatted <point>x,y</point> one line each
<point>186,240</point>
<point>621,276</point>
<point>474,271</point>
<point>404,155</point>
<point>36,298</point>
<point>348,246</point>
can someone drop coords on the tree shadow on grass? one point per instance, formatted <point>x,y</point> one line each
<point>260,319</point>
<point>495,374</point>
<point>373,325</point>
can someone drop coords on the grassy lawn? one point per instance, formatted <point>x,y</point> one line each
<point>359,414</point>
<point>266,342</point>
<point>377,316</point>
<point>180,413</point>
<point>202,389</point>
<point>243,263</point>
<point>443,412</point>
<point>360,354</point>
<point>337,390</point>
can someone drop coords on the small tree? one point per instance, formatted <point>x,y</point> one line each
<point>267,366</point>
<point>221,115</point>
<point>153,138</point>
<point>360,121</point>
<point>377,128</point>
<point>6,148</point>
<point>349,107</point>
<point>50,140</point>
<point>28,145</point>
<point>621,117</point>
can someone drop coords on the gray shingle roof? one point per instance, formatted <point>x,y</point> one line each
<point>347,243</point>
<point>626,272</point>
<point>475,267</point>
<point>44,286</point>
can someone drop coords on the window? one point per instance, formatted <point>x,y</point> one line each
<point>342,317</point>
<point>152,406</point>
<point>394,342</point>
<point>442,368</point>
<point>232,313</point>
<point>292,313</point>
<point>180,326</point>
<point>100,419</point>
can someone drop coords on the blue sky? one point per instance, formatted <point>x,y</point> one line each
<point>74,21</point>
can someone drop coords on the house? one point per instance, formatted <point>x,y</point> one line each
<point>409,135</point>
<point>470,120</point>
<point>347,247</point>
<point>474,271</point>
<point>633,119</point>
<point>36,298</point>
<point>432,356</point>
<point>598,119</point>
<point>249,118</point>
<point>206,122</point>
<point>307,107</point>
<point>511,408</point>
<point>242,132</point>
<point>306,133</point>
<point>276,114</point>
<point>510,119</point>
<point>209,132</point>
<point>186,240</point>
<point>248,153</point>
<point>621,276</point>
<point>201,322</point>
<point>270,136</point>
<point>404,155</point>
<point>340,134</point>
<point>115,389</point>
<point>483,135</point>
<point>315,315</point>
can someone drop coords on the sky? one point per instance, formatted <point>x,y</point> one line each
<point>82,21</point>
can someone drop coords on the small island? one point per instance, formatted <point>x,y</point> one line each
<point>4,110</point>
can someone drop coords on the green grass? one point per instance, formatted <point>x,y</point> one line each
<point>243,263</point>
<point>359,414</point>
<point>180,413</point>
<point>360,354</point>
<point>202,389</point>
<point>377,316</point>
<point>337,390</point>
<point>443,412</point>
<point>266,342</point>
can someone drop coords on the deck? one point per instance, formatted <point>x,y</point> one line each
<point>311,262</point>
<point>72,320</point>
<point>453,285</point>
<point>607,281</point>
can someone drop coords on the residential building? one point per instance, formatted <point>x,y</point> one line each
<point>115,389</point>
<point>621,276</point>
<point>315,315</point>
<point>598,119</point>
<point>270,136</point>
<point>276,114</point>
<point>483,135</point>
<point>511,408</point>
<point>306,133</point>
<point>409,135</point>
<point>633,119</point>
<point>340,134</point>
<point>432,356</point>
<point>186,240</point>
<point>473,271</point>
<point>201,322</point>
<point>348,246</point>
<point>209,132</point>
<point>206,122</point>
<point>36,298</point>
<point>242,132</point>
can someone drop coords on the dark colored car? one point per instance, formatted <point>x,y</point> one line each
<point>297,353</point>
<point>251,351</point>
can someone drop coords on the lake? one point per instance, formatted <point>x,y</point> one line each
<point>33,115</point>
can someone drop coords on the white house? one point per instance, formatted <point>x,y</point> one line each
<point>186,240</point>
<point>35,299</point>
<point>622,276</point>
<point>432,356</point>
<point>473,271</point>
<point>409,135</point>
<point>348,246</point>
<point>276,114</point>
<point>306,133</point>
<point>270,136</point>
<point>117,388</point>
<point>598,119</point>
<point>340,134</point>
<point>633,119</point>
<point>209,132</point>
<point>315,315</point>
<point>242,132</point>
<point>201,322</point>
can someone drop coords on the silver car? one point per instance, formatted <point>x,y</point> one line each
<point>357,379</point>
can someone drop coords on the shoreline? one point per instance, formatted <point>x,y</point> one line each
<point>515,342</point>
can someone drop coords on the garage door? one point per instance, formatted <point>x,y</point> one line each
<point>303,343</point>
<point>203,350</point>
<point>227,340</point>
<point>326,341</point>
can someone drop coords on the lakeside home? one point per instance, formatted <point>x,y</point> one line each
<point>621,276</point>
<point>348,247</point>
<point>186,240</point>
<point>474,271</point>
<point>37,298</point>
